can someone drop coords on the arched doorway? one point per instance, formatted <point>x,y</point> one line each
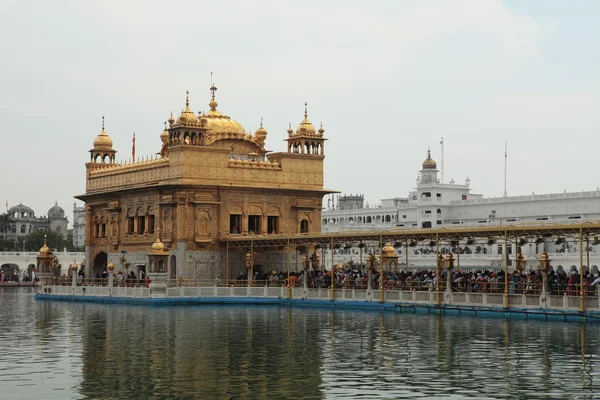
<point>9,270</point>
<point>100,262</point>
<point>173,268</point>
<point>30,269</point>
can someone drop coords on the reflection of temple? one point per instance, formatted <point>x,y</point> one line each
<point>212,181</point>
<point>199,352</point>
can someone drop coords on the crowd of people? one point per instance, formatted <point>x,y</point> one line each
<point>18,276</point>
<point>119,279</point>
<point>480,281</point>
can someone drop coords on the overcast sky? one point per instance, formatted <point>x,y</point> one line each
<point>388,79</point>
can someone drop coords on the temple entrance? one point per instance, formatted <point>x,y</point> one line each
<point>173,268</point>
<point>100,262</point>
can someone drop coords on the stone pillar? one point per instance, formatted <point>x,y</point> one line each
<point>74,268</point>
<point>87,268</point>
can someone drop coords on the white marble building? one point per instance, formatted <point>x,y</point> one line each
<point>435,204</point>
<point>23,221</point>
<point>78,226</point>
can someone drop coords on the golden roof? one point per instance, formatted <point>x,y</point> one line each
<point>187,116</point>
<point>103,141</point>
<point>388,251</point>
<point>220,124</point>
<point>158,246</point>
<point>305,127</point>
<point>261,132</point>
<point>45,249</point>
<point>429,163</point>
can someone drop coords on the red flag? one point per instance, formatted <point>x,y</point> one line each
<point>133,148</point>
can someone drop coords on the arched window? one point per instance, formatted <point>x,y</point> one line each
<point>304,226</point>
<point>369,220</point>
<point>23,229</point>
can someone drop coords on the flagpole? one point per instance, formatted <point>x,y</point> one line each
<point>505,165</point>
<point>442,143</point>
<point>133,148</point>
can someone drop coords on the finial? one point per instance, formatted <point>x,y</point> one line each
<point>429,152</point>
<point>103,122</point>
<point>165,125</point>
<point>187,98</point>
<point>261,119</point>
<point>305,109</point>
<point>213,89</point>
<point>211,80</point>
<point>44,233</point>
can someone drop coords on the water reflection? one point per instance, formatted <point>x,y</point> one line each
<point>95,351</point>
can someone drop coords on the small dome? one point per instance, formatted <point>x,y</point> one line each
<point>321,130</point>
<point>164,135</point>
<point>187,116</point>
<point>158,246</point>
<point>261,132</point>
<point>305,127</point>
<point>103,141</point>
<point>290,131</point>
<point>388,250</point>
<point>56,212</point>
<point>21,211</point>
<point>429,163</point>
<point>45,250</point>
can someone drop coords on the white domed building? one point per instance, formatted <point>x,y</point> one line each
<point>24,221</point>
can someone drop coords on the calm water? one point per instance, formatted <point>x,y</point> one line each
<point>55,350</point>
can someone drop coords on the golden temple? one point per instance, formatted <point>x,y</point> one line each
<point>209,182</point>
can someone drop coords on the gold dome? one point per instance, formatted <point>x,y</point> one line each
<point>45,249</point>
<point>388,250</point>
<point>164,136</point>
<point>158,246</point>
<point>429,163</point>
<point>261,132</point>
<point>305,127</point>
<point>103,141</point>
<point>110,266</point>
<point>220,124</point>
<point>187,116</point>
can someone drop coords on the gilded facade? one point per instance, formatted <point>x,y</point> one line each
<point>210,181</point>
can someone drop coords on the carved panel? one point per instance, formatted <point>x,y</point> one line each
<point>255,210</point>
<point>203,223</point>
<point>274,211</point>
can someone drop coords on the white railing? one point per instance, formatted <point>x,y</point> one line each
<point>467,299</point>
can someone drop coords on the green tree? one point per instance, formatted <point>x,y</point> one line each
<point>5,224</point>
<point>34,241</point>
